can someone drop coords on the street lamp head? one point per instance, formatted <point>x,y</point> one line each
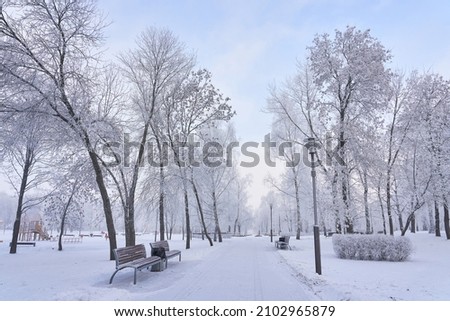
<point>311,144</point>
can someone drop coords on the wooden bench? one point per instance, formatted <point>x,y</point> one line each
<point>168,253</point>
<point>134,257</point>
<point>283,243</point>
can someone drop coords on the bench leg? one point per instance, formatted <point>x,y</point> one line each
<point>112,276</point>
<point>135,272</point>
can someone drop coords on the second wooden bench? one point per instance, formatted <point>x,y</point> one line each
<point>168,252</point>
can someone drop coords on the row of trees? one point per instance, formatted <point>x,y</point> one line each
<point>84,129</point>
<point>385,136</point>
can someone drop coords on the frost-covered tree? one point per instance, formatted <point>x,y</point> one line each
<point>192,103</point>
<point>352,79</point>
<point>293,106</point>
<point>50,50</point>
<point>158,62</point>
<point>24,145</point>
<point>431,120</point>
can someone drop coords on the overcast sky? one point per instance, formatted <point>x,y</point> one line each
<point>249,44</point>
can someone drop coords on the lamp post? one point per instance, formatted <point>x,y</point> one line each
<point>311,145</point>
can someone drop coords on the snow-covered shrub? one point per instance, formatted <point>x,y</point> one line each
<point>372,247</point>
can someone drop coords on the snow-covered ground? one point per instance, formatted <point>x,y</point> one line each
<point>247,268</point>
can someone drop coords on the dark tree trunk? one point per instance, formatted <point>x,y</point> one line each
<point>366,203</point>
<point>188,220</point>
<point>63,218</point>
<point>216,217</point>
<point>382,209</point>
<point>297,208</point>
<point>338,225</point>
<point>105,199</point>
<point>388,203</point>
<point>23,184</point>
<point>202,217</point>
<point>130,232</point>
<point>413,223</point>
<point>161,201</point>
<point>437,223</point>
<point>446,220</point>
<point>397,206</point>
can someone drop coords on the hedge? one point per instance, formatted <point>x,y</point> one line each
<point>372,247</point>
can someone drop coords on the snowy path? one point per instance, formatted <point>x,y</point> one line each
<point>239,269</point>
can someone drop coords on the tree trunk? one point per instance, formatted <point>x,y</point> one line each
<point>366,202</point>
<point>216,217</point>
<point>235,225</point>
<point>202,217</point>
<point>238,214</point>
<point>338,225</point>
<point>63,218</point>
<point>105,199</point>
<point>348,221</point>
<point>430,218</point>
<point>397,206</point>
<point>446,219</point>
<point>297,208</point>
<point>388,202</point>
<point>161,201</point>
<point>437,219</point>
<point>23,185</point>
<point>130,232</point>
<point>413,223</point>
<point>408,221</point>
<point>188,220</point>
<point>382,208</point>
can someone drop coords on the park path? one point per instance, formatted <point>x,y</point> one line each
<point>247,268</point>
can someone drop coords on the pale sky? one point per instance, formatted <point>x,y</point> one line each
<point>249,44</point>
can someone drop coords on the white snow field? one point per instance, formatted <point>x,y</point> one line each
<point>239,269</point>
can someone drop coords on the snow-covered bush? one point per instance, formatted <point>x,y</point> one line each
<point>372,247</point>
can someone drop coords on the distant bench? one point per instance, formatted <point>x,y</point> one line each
<point>134,257</point>
<point>72,239</point>
<point>23,243</point>
<point>156,246</point>
<point>283,243</point>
